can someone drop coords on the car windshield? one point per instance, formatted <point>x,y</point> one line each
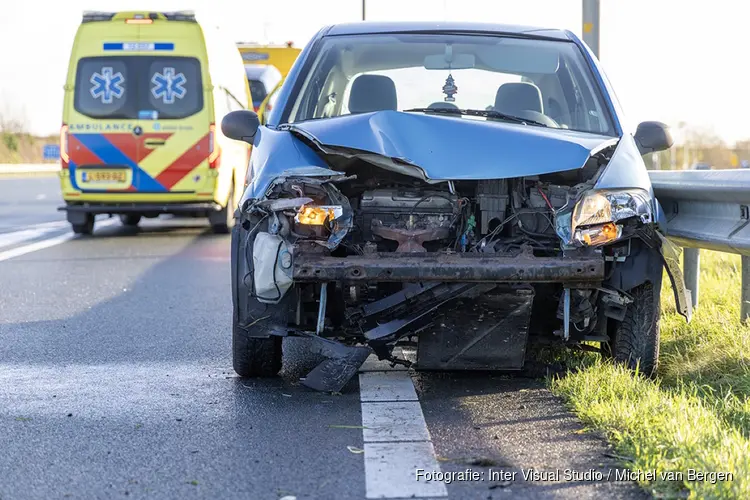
<point>544,81</point>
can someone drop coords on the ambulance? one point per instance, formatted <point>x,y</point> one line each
<point>144,97</point>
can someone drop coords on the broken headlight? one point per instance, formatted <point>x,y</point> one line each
<point>598,215</point>
<point>311,215</point>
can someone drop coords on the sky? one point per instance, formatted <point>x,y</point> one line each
<point>669,60</point>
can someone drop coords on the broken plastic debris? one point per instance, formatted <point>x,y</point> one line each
<point>355,450</point>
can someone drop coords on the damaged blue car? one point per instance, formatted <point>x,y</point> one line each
<point>465,190</point>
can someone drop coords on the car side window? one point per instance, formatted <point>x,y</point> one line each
<point>582,99</point>
<point>305,108</point>
<point>553,96</point>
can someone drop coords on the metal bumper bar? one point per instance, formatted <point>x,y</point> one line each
<point>448,268</point>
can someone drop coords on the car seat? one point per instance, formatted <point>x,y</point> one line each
<point>371,93</point>
<point>522,100</point>
<point>517,97</point>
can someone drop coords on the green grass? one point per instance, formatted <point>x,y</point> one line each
<point>696,413</point>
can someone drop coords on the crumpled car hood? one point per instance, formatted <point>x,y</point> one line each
<point>458,148</point>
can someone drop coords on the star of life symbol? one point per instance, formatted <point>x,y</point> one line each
<point>167,86</point>
<point>107,85</point>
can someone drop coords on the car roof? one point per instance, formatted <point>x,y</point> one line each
<point>374,27</point>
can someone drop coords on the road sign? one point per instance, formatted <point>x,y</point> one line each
<point>51,151</point>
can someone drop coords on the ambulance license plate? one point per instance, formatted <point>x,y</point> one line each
<point>113,176</point>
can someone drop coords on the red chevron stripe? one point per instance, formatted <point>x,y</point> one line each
<point>182,166</point>
<point>143,151</point>
<point>126,143</point>
<point>134,147</point>
<point>80,154</point>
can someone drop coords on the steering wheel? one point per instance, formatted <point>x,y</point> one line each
<point>538,117</point>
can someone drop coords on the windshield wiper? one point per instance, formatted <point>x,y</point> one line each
<point>477,112</point>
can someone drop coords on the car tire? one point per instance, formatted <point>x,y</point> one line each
<point>636,338</point>
<point>255,353</point>
<point>131,220</point>
<point>222,221</point>
<point>86,227</point>
<point>253,356</point>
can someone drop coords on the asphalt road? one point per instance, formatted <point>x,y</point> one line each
<point>116,381</point>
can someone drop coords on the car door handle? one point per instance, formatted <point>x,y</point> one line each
<point>152,143</point>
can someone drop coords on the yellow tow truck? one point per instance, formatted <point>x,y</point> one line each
<point>280,56</point>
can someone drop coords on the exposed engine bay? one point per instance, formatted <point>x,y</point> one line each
<point>411,217</point>
<point>364,259</point>
<point>496,217</point>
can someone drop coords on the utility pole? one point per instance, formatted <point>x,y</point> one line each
<point>363,10</point>
<point>590,25</point>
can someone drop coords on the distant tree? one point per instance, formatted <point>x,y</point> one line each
<point>742,150</point>
<point>706,146</point>
<point>13,132</point>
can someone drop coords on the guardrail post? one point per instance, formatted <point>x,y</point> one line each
<point>745,304</point>
<point>591,25</point>
<point>691,263</point>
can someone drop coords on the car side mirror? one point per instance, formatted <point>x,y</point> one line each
<point>240,125</point>
<point>652,137</point>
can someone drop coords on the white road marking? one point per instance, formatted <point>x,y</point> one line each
<point>33,247</point>
<point>397,441</point>
<point>29,233</point>
<point>396,421</point>
<point>386,386</point>
<point>41,245</point>
<point>16,237</point>
<point>390,470</point>
<point>57,223</point>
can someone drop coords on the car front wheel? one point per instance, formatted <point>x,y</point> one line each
<point>255,357</point>
<point>636,338</point>
<point>255,352</point>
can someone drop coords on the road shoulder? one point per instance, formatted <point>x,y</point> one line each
<point>498,426</point>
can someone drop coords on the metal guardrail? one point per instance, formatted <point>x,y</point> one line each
<point>707,209</point>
